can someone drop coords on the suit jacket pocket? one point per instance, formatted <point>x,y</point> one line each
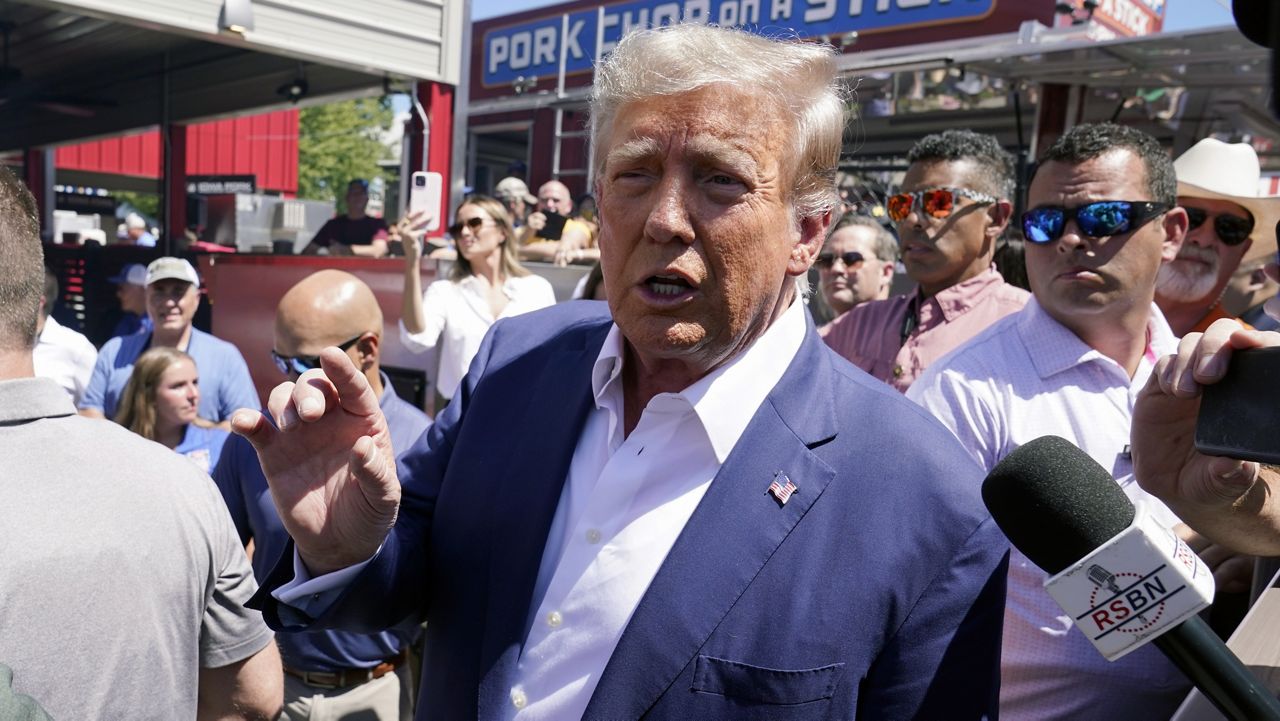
<point>764,685</point>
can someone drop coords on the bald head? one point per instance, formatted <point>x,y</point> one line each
<point>327,308</point>
<point>330,307</point>
<point>554,196</point>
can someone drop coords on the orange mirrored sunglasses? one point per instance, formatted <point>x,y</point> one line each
<point>934,202</point>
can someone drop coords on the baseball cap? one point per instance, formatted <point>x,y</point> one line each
<point>133,274</point>
<point>511,188</point>
<point>175,268</point>
<point>133,220</point>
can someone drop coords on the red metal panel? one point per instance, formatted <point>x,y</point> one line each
<point>264,145</point>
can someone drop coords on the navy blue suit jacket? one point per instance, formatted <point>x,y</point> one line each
<point>876,592</point>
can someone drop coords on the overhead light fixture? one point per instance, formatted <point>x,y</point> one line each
<point>522,84</point>
<point>237,16</point>
<point>296,89</point>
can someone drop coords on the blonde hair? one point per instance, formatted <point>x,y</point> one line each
<point>797,76</point>
<point>510,264</point>
<point>137,410</point>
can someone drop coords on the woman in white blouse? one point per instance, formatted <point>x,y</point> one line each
<point>486,283</point>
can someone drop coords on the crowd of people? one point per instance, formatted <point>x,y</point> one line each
<point>691,501</point>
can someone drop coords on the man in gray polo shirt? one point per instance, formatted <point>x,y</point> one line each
<point>123,580</point>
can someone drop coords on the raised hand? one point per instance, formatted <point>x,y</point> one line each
<point>328,462</point>
<point>1221,498</point>
<point>412,228</point>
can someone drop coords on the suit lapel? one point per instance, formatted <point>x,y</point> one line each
<point>559,401</point>
<point>728,539</point>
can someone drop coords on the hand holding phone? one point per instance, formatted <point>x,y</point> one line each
<point>553,228</point>
<point>424,197</point>
<point>1240,414</point>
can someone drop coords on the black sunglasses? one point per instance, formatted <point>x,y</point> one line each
<point>475,224</point>
<point>1095,220</point>
<point>1231,229</point>
<point>300,364</point>
<point>851,259</point>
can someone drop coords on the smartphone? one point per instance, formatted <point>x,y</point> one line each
<point>1240,414</point>
<point>554,228</point>
<point>424,196</point>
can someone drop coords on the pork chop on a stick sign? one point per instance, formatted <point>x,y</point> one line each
<point>533,48</point>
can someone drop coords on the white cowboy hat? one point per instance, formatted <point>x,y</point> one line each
<point>1229,171</point>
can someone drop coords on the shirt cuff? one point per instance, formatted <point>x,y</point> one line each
<point>306,598</point>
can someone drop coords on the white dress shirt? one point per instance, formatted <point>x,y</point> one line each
<point>457,316</point>
<point>65,356</point>
<point>1024,377</point>
<point>625,502</point>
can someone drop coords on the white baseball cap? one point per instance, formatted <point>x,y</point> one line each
<point>169,267</point>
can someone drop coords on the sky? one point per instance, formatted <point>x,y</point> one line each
<point>1179,14</point>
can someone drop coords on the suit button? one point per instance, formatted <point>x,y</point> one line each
<point>593,536</point>
<point>554,620</point>
<point>518,699</point>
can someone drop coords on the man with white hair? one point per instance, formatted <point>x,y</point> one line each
<point>1229,224</point>
<point>136,233</point>
<point>699,514</point>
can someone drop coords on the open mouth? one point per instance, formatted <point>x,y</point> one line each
<point>668,286</point>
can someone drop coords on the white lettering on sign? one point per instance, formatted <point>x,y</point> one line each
<point>697,11</point>
<point>499,47</point>
<point>610,20</point>
<point>632,23</point>
<point>739,12</point>
<point>544,45</point>
<point>666,14</point>
<point>855,7</point>
<point>520,50</point>
<point>820,10</point>
<point>1128,15</point>
<point>781,9</point>
<point>629,23</point>
<point>575,50</point>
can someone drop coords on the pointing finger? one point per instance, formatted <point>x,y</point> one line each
<point>351,385</point>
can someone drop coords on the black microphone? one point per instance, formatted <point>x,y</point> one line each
<point>1057,505</point>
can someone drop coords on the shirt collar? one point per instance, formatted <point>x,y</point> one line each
<point>725,399</point>
<point>958,299</point>
<point>1055,348</point>
<point>388,391</point>
<point>27,399</point>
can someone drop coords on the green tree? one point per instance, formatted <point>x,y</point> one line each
<point>146,203</point>
<point>337,142</point>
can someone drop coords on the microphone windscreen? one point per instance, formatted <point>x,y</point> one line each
<point>1254,19</point>
<point>1055,503</point>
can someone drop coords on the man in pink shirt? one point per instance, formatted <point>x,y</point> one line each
<point>953,206</point>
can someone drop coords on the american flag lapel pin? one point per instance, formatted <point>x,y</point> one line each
<point>782,488</point>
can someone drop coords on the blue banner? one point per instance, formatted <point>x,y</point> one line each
<point>533,48</point>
